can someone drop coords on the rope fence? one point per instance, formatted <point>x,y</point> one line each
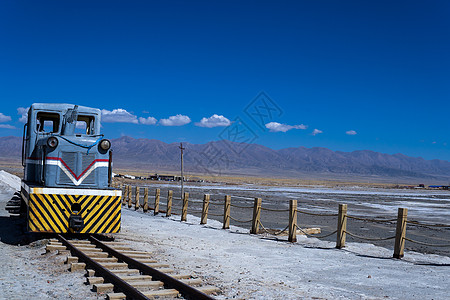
<point>273,233</point>
<point>427,244</point>
<point>371,220</point>
<point>196,201</point>
<point>216,215</point>
<point>274,210</point>
<point>316,214</point>
<point>241,207</point>
<point>369,239</point>
<point>240,221</point>
<point>316,236</point>
<point>180,207</point>
<point>428,225</point>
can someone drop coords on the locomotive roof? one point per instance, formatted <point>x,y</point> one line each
<point>63,107</point>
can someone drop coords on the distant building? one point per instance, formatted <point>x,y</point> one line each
<point>441,187</point>
<point>165,177</point>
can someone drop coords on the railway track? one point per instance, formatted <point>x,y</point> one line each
<point>120,272</point>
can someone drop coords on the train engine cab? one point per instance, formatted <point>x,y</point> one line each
<point>68,171</point>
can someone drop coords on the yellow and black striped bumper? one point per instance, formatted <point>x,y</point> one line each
<point>50,212</point>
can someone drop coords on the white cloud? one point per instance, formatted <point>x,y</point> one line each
<point>147,121</point>
<point>277,127</point>
<point>178,120</point>
<point>351,132</point>
<point>23,112</point>
<point>7,126</point>
<point>316,131</point>
<point>214,121</point>
<point>4,118</point>
<point>118,115</point>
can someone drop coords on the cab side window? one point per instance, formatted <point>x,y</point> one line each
<point>85,125</point>
<point>47,122</point>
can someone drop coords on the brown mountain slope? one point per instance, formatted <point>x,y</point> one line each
<point>225,157</point>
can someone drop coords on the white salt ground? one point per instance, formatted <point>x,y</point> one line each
<point>9,181</point>
<point>251,267</point>
<point>242,265</point>
<point>26,272</point>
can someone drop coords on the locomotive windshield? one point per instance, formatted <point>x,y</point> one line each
<point>47,122</point>
<point>85,125</point>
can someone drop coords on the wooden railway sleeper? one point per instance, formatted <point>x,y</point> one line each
<point>183,288</point>
<point>131,277</point>
<point>118,283</point>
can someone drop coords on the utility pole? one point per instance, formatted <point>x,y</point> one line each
<point>182,176</point>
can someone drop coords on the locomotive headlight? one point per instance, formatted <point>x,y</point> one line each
<point>105,144</point>
<point>52,142</point>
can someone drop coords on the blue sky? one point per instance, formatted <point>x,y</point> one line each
<point>346,75</point>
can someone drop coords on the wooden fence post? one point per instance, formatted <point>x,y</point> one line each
<point>226,212</point>
<point>137,202</point>
<point>256,216</point>
<point>185,207</point>
<point>204,218</point>
<point>169,203</point>
<point>145,207</point>
<point>157,193</point>
<point>129,196</point>
<point>341,226</point>
<point>292,221</point>
<point>124,194</point>
<point>400,233</point>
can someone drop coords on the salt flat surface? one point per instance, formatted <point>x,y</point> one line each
<point>9,182</point>
<point>424,206</point>
<point>432,206</point>
<point>26,272</point>
<point>251,267</point>
<point>347,190</point>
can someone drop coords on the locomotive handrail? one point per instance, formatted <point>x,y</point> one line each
<point>110,169</point>
<point>43,166</point>
<point>23,144</point>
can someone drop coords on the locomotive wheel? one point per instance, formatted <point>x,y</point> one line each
<point>16,206</point>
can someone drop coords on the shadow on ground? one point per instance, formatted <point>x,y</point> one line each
<point>13,231</point>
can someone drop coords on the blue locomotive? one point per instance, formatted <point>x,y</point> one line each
<point>68,171</point>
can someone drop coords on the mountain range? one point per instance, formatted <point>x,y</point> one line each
<point>230,158</point>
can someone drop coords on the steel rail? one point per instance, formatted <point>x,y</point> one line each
<point>186,290</point>
<point>109,276</point>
